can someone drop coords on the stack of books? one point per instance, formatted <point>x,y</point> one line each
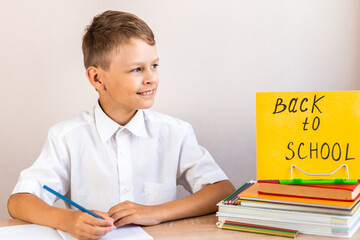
<point>272,208</point>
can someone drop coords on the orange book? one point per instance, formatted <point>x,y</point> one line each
<point>344,192</point>
<point>252,194</point>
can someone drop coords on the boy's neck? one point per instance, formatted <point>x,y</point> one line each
<point>116,113</point>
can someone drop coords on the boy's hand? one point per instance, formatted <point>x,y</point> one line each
<point>84,226</point>
<point>128,212</point>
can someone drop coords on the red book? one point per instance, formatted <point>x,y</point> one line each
<point>343,192</point>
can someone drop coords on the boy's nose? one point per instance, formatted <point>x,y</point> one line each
<point>151,77</point>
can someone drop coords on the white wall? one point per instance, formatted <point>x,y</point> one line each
<point>214,56</point>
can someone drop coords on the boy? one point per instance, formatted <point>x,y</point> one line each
<point>119,158</point>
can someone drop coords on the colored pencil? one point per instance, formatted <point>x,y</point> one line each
<point>257,229</point>
<point>71,202</point>
<point>233,198</point>
<point>234,193</point>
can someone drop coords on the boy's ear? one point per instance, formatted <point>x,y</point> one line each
<point>93,75</point>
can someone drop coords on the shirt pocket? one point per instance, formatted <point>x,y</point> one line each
<point>157,193</point>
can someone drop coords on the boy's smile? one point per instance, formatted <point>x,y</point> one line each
<point>131,81</point>
<point>147,93</point>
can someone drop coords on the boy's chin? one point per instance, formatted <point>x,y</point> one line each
<point>146,106</point>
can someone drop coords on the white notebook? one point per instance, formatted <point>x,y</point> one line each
<point>38,232</point>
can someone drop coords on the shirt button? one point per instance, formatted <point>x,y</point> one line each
<point>123,153</point>
<point>127,189</point>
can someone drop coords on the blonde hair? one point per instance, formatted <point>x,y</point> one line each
<point>107,32</point>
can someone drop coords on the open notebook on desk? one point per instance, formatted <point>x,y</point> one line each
<point>38,232</point>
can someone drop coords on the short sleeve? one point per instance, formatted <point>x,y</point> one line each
<point>196,168</point>
<point>52,168</point>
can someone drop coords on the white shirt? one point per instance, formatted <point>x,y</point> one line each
<point>98,164</point>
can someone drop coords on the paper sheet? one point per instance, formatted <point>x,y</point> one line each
<point>29,232</point>
<point>123,233</point>
<point>38,232</point>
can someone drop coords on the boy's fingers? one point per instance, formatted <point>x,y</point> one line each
<point>126,220</point>
<point>115,209</point>
<point>121,214</point>
<point>120,207</point>
<point>93,221</point>
<point>94,232</point>
<point>102,214</point>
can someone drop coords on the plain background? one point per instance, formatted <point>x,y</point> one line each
<point>214,57</point>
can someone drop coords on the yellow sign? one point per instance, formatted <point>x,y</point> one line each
<point>315,131</point>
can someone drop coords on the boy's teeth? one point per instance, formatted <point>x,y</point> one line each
<point>147,93</point>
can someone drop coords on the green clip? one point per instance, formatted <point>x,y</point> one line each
<point>300,181</point>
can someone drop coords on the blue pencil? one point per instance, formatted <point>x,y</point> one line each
<point>70,202</point>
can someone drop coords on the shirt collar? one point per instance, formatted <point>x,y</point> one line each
<point>108,127</point>
<point>137,124</point>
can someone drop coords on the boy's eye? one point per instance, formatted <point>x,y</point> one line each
<point>136,70</point>
<point>154,66</point>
